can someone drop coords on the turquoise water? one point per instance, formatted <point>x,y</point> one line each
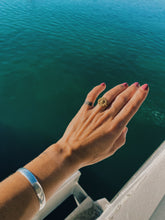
<point>52,52</point>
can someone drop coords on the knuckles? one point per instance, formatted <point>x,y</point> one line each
<point>133,106</point>
<point>91,94</point>
<point>122,98</point>
<point>117,126</point>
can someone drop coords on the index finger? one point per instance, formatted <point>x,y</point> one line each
<point>129,110</point>
<point>93,94</point>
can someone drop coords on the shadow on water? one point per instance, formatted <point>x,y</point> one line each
<point>18,148</point>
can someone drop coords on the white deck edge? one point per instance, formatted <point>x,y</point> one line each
<point>140,196</point>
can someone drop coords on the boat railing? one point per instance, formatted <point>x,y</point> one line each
<point>142,198</point>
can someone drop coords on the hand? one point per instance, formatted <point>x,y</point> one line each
<point>95,133</point>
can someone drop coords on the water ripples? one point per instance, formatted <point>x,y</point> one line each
<point>97,37</point>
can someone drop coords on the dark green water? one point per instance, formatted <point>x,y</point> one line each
<point>52,52</point>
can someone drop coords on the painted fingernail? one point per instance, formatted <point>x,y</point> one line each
<point>145,86</point>
<point>125,84</point>
<point>136,84</point>
<point>102,84</point>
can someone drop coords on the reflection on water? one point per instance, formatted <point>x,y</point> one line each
<point>53,52</point>
<point>159,118</point>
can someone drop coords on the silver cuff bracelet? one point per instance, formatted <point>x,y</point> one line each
<point>36,186</point>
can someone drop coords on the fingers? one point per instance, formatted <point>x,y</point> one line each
<point>93,94</point>
<point>128,111</point>
<point>122,99</point>
<point>119,142</point>
<point>112,94</point>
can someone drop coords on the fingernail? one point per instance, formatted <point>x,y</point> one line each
<point>125,84</point>
<point>145,86</point>
<point>102,84</point>
<point>136,84</point>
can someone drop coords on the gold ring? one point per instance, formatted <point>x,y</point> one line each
<point>103,102</point>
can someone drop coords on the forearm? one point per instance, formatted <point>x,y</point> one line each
<point>51,168</point>
<point>17,198</point>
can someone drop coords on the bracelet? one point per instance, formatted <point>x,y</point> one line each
<point>35,184</point>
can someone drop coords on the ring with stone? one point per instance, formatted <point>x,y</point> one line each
<point>103,102</point>
<point>88,103</point>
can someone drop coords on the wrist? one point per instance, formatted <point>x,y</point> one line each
<point>52,167</point>
<point>67,152</point>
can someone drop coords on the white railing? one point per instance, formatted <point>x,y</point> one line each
<point>137,200</point>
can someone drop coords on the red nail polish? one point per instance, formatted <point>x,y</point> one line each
<point>145,86</point>
<point>102,84</point>
<point>136,84</point>
<point>125,84</point>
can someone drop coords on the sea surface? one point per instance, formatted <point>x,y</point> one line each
<point>53,52</point>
